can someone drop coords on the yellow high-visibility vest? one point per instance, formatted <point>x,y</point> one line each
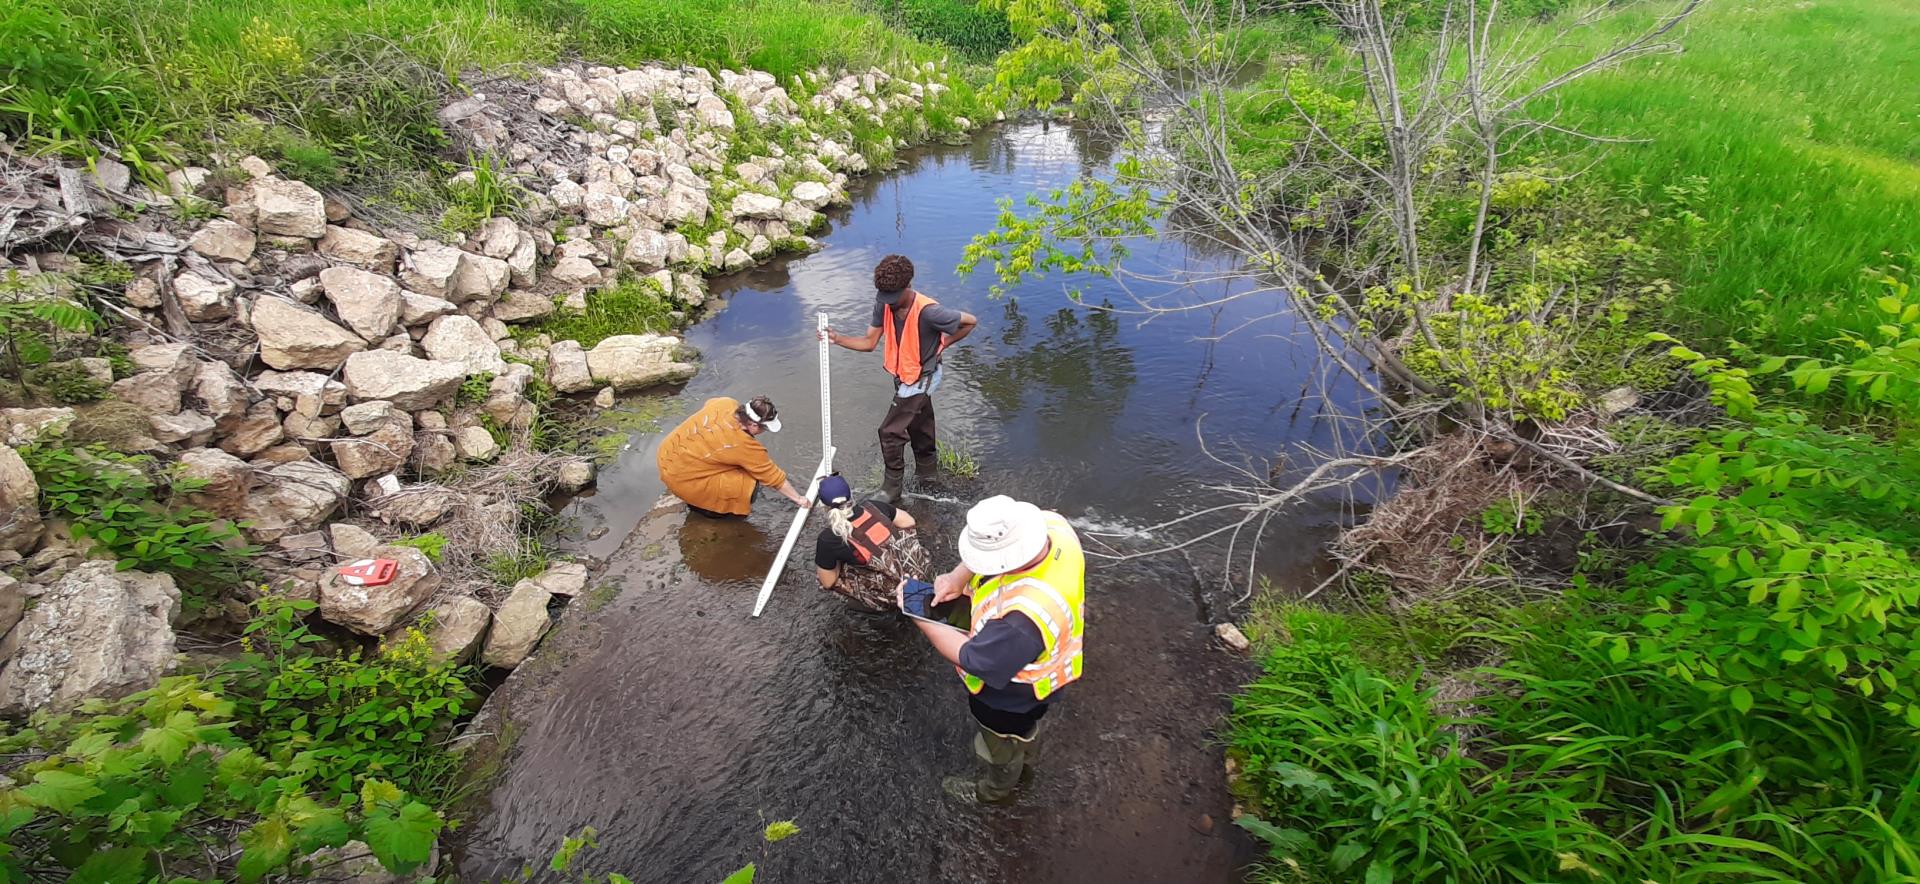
<point>1053,595</point>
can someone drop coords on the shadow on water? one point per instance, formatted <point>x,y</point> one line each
<point>677,725</point>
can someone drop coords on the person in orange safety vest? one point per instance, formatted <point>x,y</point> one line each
<point>916,331</point>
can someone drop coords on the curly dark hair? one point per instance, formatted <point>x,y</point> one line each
<point>893,273</point>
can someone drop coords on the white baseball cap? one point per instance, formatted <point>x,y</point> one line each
<point>1002,534</point>
<point>771,423</point>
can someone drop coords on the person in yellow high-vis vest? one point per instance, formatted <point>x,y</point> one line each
<point>1024,571</point>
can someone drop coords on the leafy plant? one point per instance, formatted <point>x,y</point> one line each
<point>157,785</point>
<point>349,717</point>
<point>486,190</point>
<point>31,312</point>
<point>957,461</point>
<point>432,544</point>
<point>474,390</point>
<point>125,504</point>
<point>67,382</point>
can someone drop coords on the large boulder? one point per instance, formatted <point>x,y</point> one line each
<point>457,625</point>
<point>418,309</point>
<point>431,268</point>
<point>292,336</point>
<point>459,339</point>
<point>219,393</point>
<point>96,632</point>
<point>518,626</point>
<point>480,278</point>
<point>289,208</point>
<point>223,240</point>
<point>19,504</point>
<point>812,194</point>
<point>156,392</point>
<point>359,247</point>
<point>256,431</point>
<point>630,362</point>
<point>647,250</point>
<point>294,498</point>
<point>409,383</point>
<point>575,271</point>
<point>520,306</point>
<point>685,204</point>
<point>564,579</point>
<point>567,367</point>
<point>203,299</point>
<point>303,392</point>
<point>379,452</point>
<point>188,427</point>
<point>368,302</point>
<point>756,205</point>
<point>223,481</point>
<point>373,610</point>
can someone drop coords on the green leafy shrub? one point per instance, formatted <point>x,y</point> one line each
<point>159,783</point>
<point>67,382</point>
<point>474,390</point>
<point>123,502</point>
<point>344,718</point>
<point>433,544</point>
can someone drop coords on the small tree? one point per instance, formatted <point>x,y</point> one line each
<point>32,311</point>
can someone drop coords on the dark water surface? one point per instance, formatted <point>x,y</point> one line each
<point>678,726</point>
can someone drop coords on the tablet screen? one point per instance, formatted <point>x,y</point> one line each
<point>917,600</point>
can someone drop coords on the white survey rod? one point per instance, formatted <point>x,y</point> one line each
<point>813,487</point>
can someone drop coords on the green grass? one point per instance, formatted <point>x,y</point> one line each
<point>1810,154</point>
<point>632,307</point>
<point>344,91</point>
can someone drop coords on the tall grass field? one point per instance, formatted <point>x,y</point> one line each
<point>1803,121</point>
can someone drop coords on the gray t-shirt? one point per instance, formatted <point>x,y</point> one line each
<point>935,320</point>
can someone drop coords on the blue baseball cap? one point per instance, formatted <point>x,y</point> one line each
<point>834,490</point>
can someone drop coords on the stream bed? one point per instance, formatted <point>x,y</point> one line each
<point>676,725</point>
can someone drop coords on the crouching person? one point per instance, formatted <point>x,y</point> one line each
<point>867,548</point>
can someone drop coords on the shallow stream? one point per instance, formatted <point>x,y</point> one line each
<point>677,726</point>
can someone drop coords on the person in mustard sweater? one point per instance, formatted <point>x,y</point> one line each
<point>714,463</point>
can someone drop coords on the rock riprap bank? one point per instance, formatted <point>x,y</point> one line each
<point>334,376</point>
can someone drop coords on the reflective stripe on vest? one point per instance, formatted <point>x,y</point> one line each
<point>902,358</point>
<point>1052,595</point>
<point>871,531</point>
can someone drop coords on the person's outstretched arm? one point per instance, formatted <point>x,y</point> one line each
<point>862,344</point>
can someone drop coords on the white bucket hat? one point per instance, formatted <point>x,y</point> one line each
<point>1002,534</point>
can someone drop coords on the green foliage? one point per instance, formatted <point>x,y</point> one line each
<point>432,545</point>
<point>34,311</point>
<point>474,390</point>
<point>972,28</point>
<point>486,190</point>
<point>125,504</point>
<point>957,461</point>
<point>1813,528</point>
<point>337,720</point>
<point>157,785</point>
<point>528,559</point>
<point>1080,228</point>
<point>630,307</point>
<point>1508,518</point>
<point>67,382</point>
<point>780,830</point>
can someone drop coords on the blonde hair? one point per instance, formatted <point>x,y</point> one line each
<point>840,520</point>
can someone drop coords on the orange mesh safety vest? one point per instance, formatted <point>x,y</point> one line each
<point>903,352</point>
<point>871,531</point>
